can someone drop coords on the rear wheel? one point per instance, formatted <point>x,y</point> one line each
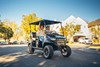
<point>30,49</point>
<point>48,52</point>
<point>66,51</point>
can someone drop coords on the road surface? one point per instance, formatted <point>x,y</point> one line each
<point>17,56</point>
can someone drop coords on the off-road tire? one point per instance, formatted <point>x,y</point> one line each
<point>66,50</point>
<point>48,52</point>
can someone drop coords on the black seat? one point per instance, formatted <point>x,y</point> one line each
<point>33,34</point>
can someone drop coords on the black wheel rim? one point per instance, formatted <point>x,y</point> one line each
<point>46,52</point>
<point>64,51</point>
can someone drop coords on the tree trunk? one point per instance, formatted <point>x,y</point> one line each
<point>8,41</point>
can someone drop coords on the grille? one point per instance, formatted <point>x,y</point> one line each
<point>61,42</point>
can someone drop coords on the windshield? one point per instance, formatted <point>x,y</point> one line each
<point>55,28</point>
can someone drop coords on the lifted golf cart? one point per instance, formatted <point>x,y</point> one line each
<point>52,42</point>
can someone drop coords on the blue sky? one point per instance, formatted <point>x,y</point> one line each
<point>50,9</point>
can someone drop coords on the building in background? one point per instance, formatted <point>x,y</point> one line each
<point>84,30</point>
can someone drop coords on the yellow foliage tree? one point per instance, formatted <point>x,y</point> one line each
<point>69,30</point>
<point>26,19</point>
<point>96,32</point>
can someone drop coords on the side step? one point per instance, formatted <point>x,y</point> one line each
<point>38,48</point>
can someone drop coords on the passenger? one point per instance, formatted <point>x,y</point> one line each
<point>41,33</point>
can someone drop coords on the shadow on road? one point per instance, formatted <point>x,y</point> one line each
<point>17,56</point>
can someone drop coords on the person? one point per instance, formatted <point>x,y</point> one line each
<point>41,33</point>
<point>48,29</point>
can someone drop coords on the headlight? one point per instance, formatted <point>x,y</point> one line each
<point>52,39</point>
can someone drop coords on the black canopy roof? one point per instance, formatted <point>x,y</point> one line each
<point>47,22</point>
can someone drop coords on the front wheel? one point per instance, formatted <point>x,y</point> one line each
<point>48,52</point>
<point>66,51</point>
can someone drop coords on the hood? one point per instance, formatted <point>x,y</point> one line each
<point>56,36</point>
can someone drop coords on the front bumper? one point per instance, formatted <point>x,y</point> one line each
<point>60,42</point>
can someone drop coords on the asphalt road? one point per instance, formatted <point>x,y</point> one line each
<point>17,56</point>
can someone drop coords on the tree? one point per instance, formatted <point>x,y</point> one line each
<point>26,19</point>
<point>15,28</point>
<point>69,30</point>
<point>6,31</point>
<point>1,30</point>
<point>95,31</point>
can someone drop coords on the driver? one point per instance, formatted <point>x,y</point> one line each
<point>48,30</point>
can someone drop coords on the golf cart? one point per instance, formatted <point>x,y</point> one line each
<point>52,41</point>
